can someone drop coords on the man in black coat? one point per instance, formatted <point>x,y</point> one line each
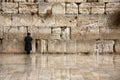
<point>28,45</point>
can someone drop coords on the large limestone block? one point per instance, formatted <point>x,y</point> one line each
<point>20,1</point>
<point>117,46</point>
<point>58,8</point>
<point>90,32</point>
<point>41,45</point>
<point>22,32</point>
<point>109,0</point>
<point>60,33</point>
<point>0,7</point>
<point>13,46</point>
<point>56,46</point>
<point>1,32</point>
<point>65,33</point>
<point>88,20</point>
<point>71,8</point>
<point>98,8</point>
<point>44,21</point>
<point>56,33</point>
<point>44,7</point>
<point>112,7</point>
<point>13,33</point>
<point>10,7</point>
<point>75,0</point>
<point>16,33</point>
<point>40,32</point>
<point>68,20</point>
<point>92,0</point>
<point>55,0</point>
<point>85,46</point>
<point>71,46</point>
<point>105,46</point>
<point>5,20</point>
<point>28,8</point>
<point>107,33</point>
<point>85,8</point>
<point>22,20</point>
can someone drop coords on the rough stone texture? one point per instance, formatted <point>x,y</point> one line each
<point>109,0</point>
<point>45,7</point>
<point>85,8</point>
<point>58,25</point>
<point>112,7</point>
<point>58,8</point>
<point>71,8</point>
<point>98,8</point>
<point>28,8</point>
<point>5,20</point>
<point>22,20</point>
<point>62,20</point>
<point>75,0</point>
<point>10,7</point>
<point>14,46</point>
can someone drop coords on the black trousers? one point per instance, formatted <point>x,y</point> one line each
<point>28,52</point>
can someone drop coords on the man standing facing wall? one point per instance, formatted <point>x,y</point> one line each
<point>28,40</point>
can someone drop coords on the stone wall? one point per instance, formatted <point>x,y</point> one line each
<point>59,26</point>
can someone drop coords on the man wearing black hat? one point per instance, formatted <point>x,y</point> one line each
<point>28,40</point>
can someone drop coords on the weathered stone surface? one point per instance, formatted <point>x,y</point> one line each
<point>19,0</point>
<point>90,32</point>
<point>85,8</point>
<point>56,33</point>
<point>13,33</point>
<point>112,7</point>
<point>45,7</point>
<point>117,46</point>
<point>13,45</point>
<point>22,20</point>
<point>39,32</point>
<point>55,46</point>
<point>58,8</point>
<point>28,8</point>
<point>71,46</point>
<point>106,33</point>
<point>71,8</point>
<point>0,7</point>
<point>55,0</point>
<point>43,33</point>
<point>5,20</point>
<point>88,20</point>
<point>65,33</point>
<point>10,7</point>
<point>92,0</point>
<point>109,0</point>
<point>98,8</point>
<point>68,20</point>
<point>44,21</point>
<point>75,0</point>
<point>1,32</point>
<point>85,46</point>
<point>105,46</point>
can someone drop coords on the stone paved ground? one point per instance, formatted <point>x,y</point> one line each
<point>59,67</point>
